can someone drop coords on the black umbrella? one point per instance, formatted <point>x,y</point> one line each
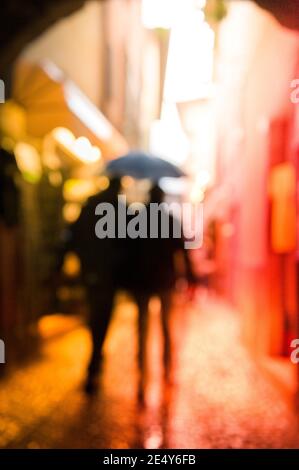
<point>142,165</point>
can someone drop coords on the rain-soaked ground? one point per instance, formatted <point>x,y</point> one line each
<point>219,397</point>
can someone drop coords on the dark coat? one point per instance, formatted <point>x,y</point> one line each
<point>152,267</point>
<point>101,259</point>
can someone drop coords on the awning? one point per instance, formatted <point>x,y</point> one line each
<point>51,100</point>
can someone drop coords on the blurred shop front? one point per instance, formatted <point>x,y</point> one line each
<point>257,154</point>
<point>227,117</point>
<point>54,143</point>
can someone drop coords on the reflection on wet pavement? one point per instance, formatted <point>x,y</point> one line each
<point>218,397</point>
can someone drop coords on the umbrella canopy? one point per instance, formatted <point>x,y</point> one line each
<point>142,165</point>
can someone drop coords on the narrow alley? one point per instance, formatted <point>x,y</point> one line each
<point>149,229</point>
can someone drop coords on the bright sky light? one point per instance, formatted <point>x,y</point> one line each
<point>189,70</point>
<point>165,13</point>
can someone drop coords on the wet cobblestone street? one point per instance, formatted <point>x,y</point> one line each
<point>219,398</point>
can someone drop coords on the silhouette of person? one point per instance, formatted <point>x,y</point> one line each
<point>143,266</point>
<point>101,262</point>
<point>154,272</point>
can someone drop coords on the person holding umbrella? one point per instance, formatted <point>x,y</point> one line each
<point>144,267</point>
<point>152,269</point>
<point>153,260</point>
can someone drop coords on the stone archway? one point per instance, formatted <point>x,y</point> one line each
<point>286,11</point>
<point>21,23</point>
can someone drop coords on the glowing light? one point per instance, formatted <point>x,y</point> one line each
<point>49,154</point>
<point>201,183</point>
<point>71,266</point>
<point>52,70</point>
<point>189,77</point>
<point>56,324</point>
<point>167,137</point>
<point>190,62</point>
<point>76,190</point>
<point>174,186</point>
<point>165,13</point>
<point>13,121</point>
<point>80,148</point>
<point>84,151</point>
<point>63,136</point>
<point>55,178</point>
<point>157,13</point>
<point>28,161</point>
<point>197,195</point>
<point>154,439</point>
<point>102,183</point>
<point>71,212</point>
<point>203,179</point>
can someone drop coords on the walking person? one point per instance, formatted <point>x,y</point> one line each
<point>101,262</point>
<point>154,262</point>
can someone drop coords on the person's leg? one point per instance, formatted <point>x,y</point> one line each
<point>166,298</point>
<point>101,306</point>
<point>142,301</point>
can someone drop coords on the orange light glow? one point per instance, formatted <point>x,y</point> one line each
<point>79,148</point>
